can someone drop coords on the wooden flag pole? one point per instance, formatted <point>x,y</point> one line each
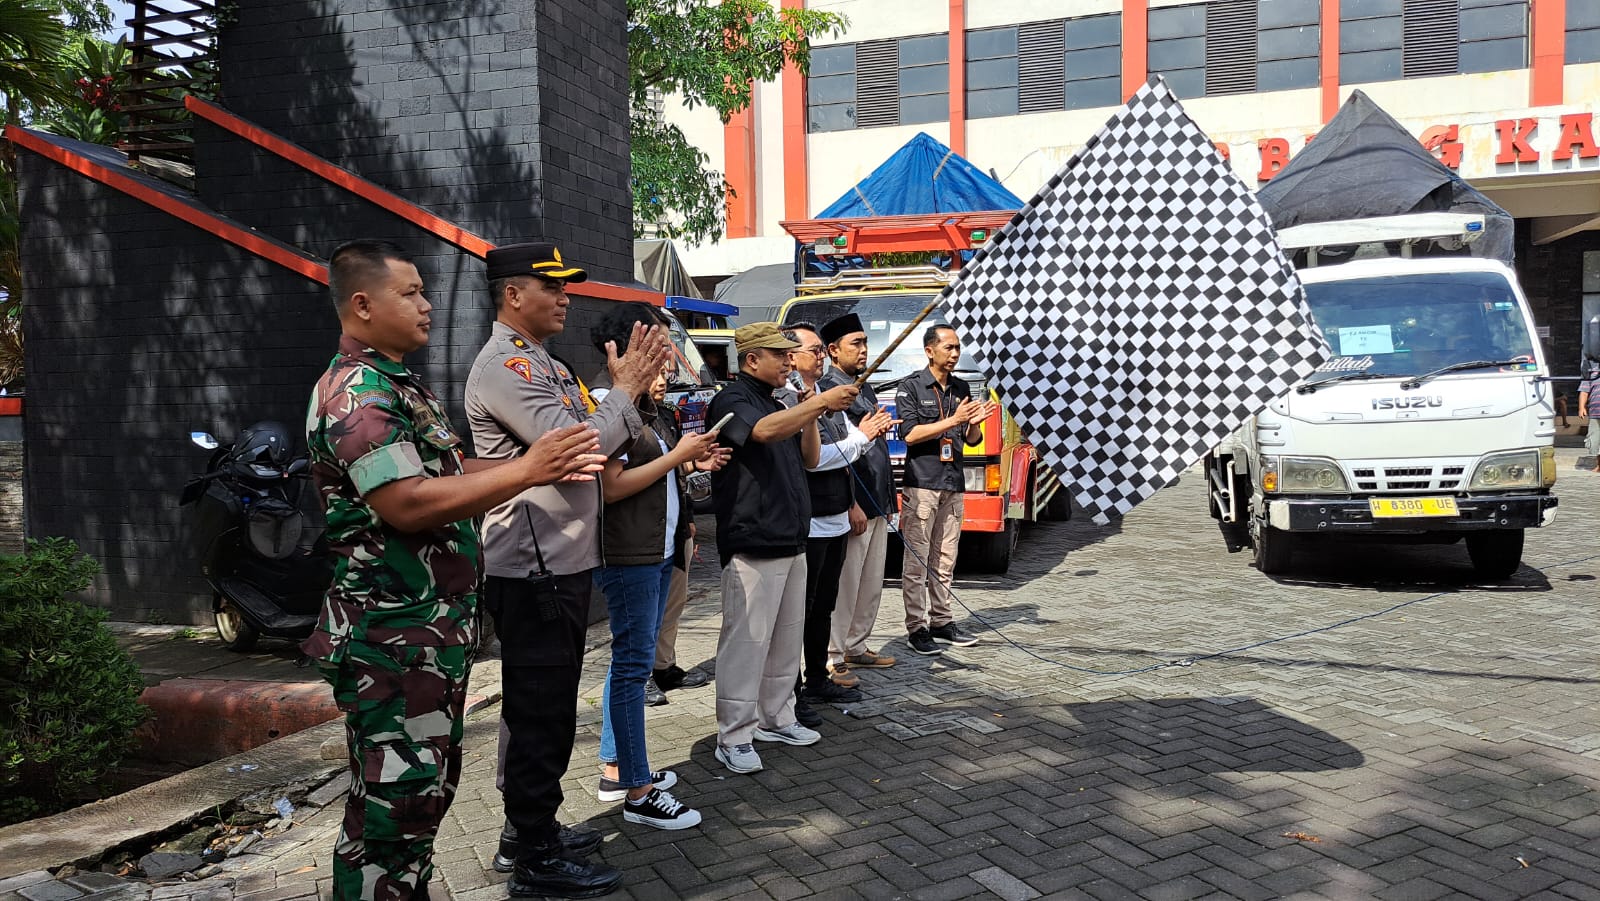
<point>862,379</point>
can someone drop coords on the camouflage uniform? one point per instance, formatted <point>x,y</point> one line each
<point>399,622</point>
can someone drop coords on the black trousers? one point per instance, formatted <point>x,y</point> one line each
<point>541,654</point>
<point>824,564</point>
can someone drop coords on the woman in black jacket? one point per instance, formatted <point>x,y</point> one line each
<point>647,515</point>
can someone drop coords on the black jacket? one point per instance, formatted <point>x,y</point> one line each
<point>634,529</point>
<point>761,498</point>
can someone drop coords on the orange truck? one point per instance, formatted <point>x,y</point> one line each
<point>1005,485</point>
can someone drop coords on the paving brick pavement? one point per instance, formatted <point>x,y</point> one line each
<point>1448,748</point>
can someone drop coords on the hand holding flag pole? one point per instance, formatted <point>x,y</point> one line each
<point>911,327</point>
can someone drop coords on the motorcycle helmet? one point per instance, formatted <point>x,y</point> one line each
<point>268,442</point>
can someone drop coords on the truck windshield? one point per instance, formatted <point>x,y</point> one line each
<point>687,361</point>
<point>1417,323</point>
<point>885,316</point>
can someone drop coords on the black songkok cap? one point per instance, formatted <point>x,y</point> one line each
<point>848,324</point>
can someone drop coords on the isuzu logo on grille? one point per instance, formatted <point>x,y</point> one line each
<point>1407,403</point>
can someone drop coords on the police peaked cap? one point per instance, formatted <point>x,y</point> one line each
<point>539,258</point>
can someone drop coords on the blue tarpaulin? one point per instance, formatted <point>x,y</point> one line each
<point>922,177</point>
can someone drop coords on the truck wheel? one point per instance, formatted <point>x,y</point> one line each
<point>990,552</point>
<point>236,634</point>
<point>1495,554</point>
<point>1274,551</point>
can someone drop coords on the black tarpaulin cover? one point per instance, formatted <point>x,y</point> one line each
<point>1365,164</point>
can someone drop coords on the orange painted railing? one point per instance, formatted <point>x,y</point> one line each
<point>388,200</point>
<point>255,243</point>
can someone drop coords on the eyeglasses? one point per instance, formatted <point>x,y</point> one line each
<point>814,351</point>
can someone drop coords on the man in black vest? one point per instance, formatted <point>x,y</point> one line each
<point>861,579</point>
<point>832,496</point>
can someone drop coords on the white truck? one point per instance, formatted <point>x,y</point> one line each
<point>1432,421</point>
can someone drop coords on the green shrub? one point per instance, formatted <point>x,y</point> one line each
<point>69,695</point>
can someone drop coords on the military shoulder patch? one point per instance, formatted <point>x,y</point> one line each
<point>370,396</point>
<point>521,366</point>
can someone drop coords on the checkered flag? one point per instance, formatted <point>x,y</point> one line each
<point>1138,310</point>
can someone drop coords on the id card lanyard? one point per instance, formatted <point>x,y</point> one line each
<point>947,447</point>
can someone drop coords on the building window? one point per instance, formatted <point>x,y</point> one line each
<point>992,73</point>
<point>1288,44</point>
<point>1041,70</point>
<point>1583,32</point>
<point>1494,35</point>
<point>831,88</point>
<point>1093,61</point>
<point>1177,47</point>
<point>1386,40</point>
<point>924,79</point>
<point>1371,35</point>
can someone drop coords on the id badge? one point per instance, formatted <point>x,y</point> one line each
<point>947,450</point>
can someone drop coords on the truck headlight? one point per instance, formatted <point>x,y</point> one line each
<point>1547,466</point>
<point>1512,469</point>
<point>1310,475</point>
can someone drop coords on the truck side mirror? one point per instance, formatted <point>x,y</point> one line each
<point>1591,339</point>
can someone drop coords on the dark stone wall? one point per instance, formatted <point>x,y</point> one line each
<point>505,117</point>
<point>141,329</point>
<point>1552,277</point>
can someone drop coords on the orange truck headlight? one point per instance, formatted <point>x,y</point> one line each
<point>991,477</point>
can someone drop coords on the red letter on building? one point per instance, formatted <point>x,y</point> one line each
<point>1223,149</point>
<point>1274,154</point>
<point>1444,142</point>
<point>1576,131</point>
<point>1514,134</point>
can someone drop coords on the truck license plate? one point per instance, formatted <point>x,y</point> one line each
<point>1412,506</point>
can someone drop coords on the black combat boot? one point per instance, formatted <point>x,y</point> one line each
<point>573,841</point>
<point>552,873</point>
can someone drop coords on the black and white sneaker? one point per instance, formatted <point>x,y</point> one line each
<point>612,790</point>
<point>661,810</point>
<point>952,633</point>
<point>922,643</point>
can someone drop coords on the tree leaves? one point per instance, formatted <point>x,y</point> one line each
<point>704,54</point>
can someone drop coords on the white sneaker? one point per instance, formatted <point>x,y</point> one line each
<point>792,734</point>
<point>661,810</point>
<point>740,758</point>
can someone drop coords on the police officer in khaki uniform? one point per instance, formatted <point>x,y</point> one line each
<point>540,549</point>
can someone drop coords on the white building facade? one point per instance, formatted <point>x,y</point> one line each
<point>1505,92</point>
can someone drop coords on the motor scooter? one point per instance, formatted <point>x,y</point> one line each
<point>267,579</point>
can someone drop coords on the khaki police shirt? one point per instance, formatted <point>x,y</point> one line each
<point>516,393</point>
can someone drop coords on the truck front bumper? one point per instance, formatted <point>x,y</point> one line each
<point>1522,511</point>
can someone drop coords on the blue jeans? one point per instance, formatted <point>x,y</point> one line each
<point>635,597</point>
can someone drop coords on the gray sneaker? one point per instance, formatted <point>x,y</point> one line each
<point>740,758</point>
<point>792,734</point>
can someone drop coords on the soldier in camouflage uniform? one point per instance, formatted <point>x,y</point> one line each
<point>399,622</point>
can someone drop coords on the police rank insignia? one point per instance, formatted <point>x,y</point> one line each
<point>521,366</point>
